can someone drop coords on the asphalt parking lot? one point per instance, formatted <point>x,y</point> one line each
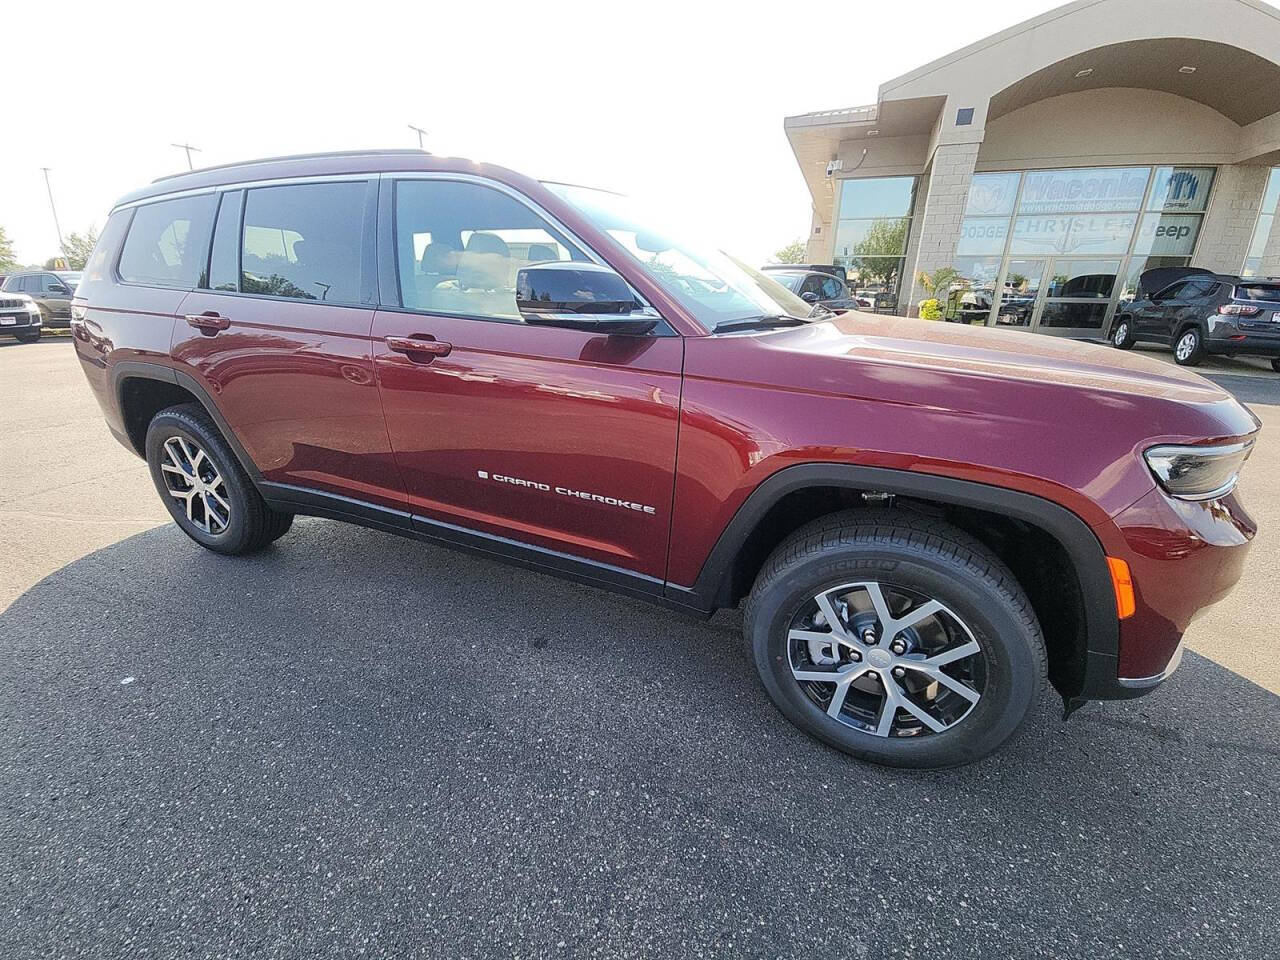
<point>358,745</point>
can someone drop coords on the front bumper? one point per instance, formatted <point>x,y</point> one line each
<point>1183,556</point>
<point>23,321</point>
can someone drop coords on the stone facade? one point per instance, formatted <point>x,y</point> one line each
<point>1233,210</point>
<point>936,231</point>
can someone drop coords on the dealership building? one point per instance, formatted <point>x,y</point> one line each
<point>1052,163</point>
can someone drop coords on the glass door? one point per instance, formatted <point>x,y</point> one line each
<point>1077,297</point>
<point>1020,293</point>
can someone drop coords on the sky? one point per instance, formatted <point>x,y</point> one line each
<point>679,101</point>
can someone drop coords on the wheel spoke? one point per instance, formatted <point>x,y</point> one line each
<point>881,607</point>
<point>934,673</point>
<point>888,710</point>
<point>832,614</point>
<point>837,699</point>
<point>954,654</point>
<point>221,501</point>
<point>919,712</point>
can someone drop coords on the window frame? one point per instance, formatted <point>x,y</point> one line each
<point>391,299</point>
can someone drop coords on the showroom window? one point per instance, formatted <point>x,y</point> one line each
<point>872,232</point>
<point>1068,243</point>
<point>1262,229</point>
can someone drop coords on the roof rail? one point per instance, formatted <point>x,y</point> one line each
<point>393,151</point>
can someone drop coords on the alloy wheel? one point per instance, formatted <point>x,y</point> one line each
<point>1121,334</point>
<point>192,478</point>
<point>1186,345</point>
<point>886,660</point>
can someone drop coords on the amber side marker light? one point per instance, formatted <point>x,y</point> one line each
<point>1122,583</point>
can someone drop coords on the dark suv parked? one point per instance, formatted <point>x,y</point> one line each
<point>1201,313</point>
<point>824,289</point>
<point>50,290</point>
<point>927,522</point>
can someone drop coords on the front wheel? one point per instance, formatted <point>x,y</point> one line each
<point>1122,334</point>
<point>28,336</point>
<point>896,638</point>
<point>203,486</point>
<point>1188,351</point>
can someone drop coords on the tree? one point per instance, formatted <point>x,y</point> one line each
<point>793,252</point>
<point>77,248</point>
<point>877,257</point>
<point>8,260</point>
<point>939,283</point>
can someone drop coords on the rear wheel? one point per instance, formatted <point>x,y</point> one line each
<point>204,487</point>
<point>1188,349</point>
<point>1122,334</point>
<point>896,638</point>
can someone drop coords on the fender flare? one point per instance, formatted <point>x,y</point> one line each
<point>1102,626</point>
<point>144,370</point>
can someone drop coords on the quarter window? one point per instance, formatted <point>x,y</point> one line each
<point>303,241</point>
<point>460,245</point>
<point>167,243</point>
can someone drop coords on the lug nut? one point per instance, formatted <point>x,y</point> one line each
<point>899,672</point>
<point>855,656</point>
<point>869,636</point>
<point>899,647</point>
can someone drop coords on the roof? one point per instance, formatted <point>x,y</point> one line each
<point>353,162</point>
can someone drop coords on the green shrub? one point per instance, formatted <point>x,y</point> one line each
<point>930,309</point>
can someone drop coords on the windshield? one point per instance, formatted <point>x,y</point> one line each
<point>713,286</point>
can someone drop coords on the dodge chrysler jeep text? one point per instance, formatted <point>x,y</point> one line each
<point>928,522</point>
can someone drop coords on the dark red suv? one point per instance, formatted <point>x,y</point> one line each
<point>927,522</point>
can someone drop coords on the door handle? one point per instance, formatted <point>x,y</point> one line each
<point>209,323</point>
<point>422,348</point>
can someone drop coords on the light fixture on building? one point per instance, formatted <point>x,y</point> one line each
<point>834,166</point>
<point>1186,69</point>
<point>1084,73</point>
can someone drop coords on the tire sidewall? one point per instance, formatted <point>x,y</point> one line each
<point>1122,342</point>
<point>1012,683</point>
<point>170,424</point>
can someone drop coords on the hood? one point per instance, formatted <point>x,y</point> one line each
<point>1030,360</point>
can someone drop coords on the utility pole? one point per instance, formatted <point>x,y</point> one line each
<point>187,147</point>
<point>421,133</point>
<point>62,247</point>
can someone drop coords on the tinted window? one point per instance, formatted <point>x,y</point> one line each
<point>224,262</point>
<point>52,284</point>
<point>460,245</point>
<point>304,241</point>
<point>832,289</point>
<point>10,283</point>
<point>1196,289</point>
<point>812,284</point>
<point>1256,291</point>
<point>167,242</point>
<point>99,265</point>
<point>1175,291</point>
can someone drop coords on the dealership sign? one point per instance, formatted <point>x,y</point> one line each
<point>1084,191</point>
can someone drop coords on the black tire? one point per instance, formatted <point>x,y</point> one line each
<point>925,556</point>
<point>1188,347</point>
<point>251,525</point>
<point>1122,333</point>
<point>28,336</point>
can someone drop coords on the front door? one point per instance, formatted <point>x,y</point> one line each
<point>1076,296</point>
<point>554,438</point>
<point>279,337</point>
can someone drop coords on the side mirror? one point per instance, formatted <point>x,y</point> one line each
<point>581,296</point>
<point>809,297</point>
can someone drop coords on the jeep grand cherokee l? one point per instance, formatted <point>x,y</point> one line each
<point>927,522</point>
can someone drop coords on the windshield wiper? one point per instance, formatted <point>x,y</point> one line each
<point>757,323</point>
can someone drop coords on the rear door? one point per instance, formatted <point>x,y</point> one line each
<point>555,438</point>
<point>279,336</point>
<point>1154,318</point>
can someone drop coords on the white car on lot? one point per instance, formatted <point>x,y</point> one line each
<point>20,317</point>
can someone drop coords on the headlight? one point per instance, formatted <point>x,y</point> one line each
<point>33,307</point>
<point>1198,473</point>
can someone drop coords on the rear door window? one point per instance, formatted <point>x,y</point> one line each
<point>168,242</point>
<point>812,284</point>
<point>304,241</point>
<point>832,289</point>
